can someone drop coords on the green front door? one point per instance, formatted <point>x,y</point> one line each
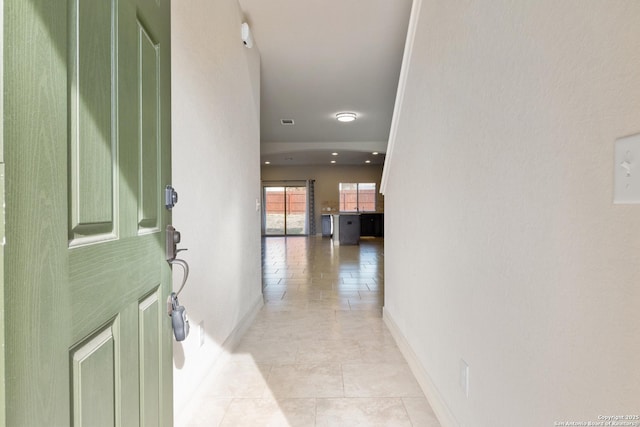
<point>87,145</point>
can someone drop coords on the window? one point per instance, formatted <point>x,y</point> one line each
<point>357,197</point>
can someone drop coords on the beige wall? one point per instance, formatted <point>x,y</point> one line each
<point>515,259</point>
<point>327,180</point>
<point>215,134</point>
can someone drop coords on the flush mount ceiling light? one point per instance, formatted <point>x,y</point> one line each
<point>334,154</point>
<point>346,117</point>
<point>375,153</point>
<point>333,161</point>
<point>267,163</point>
<point>367,161</point>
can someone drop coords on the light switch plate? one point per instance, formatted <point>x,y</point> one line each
<point>626,184</point>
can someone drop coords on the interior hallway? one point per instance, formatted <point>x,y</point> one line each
<point>318,353</point>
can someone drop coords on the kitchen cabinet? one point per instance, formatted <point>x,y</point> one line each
<point>372,224</point>
<point>349,233</point>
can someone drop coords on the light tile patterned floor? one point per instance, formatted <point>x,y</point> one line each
<point>318,353</point>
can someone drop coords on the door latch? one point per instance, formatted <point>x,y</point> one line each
<point>173,238</point>
<point>170,197</point>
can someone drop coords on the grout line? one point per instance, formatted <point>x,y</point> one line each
<point>315,414</point>
<point>226,411</point>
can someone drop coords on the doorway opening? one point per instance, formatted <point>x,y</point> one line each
<point>285,211</point>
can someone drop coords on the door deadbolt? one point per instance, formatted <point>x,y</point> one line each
<point>170,197</point>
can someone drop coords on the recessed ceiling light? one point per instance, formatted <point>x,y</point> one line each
<point>375,153</point>
<point>267,163</point>
<point>334,154</point>
<point>287,122</point>
<point>346,116</point>
<point>367,161</point>
<point>333,161</point>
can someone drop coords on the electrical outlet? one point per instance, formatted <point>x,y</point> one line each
<point>201,333</point>
<point>464,377</point>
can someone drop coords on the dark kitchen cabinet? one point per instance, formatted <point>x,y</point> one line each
<point>349,229</point>
<point>372,224</point>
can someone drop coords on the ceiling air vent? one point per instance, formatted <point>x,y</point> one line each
<point>287,122</point>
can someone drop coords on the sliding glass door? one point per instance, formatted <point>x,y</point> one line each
<point>285,211</point>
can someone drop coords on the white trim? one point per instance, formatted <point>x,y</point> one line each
<point>430,390</point>
<point>402,83</point>
<point>234,338</point>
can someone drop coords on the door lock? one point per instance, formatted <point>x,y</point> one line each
<point>170,197</point>
<point>173,238</point>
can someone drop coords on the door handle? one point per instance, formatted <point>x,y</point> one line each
<point>173,238</point>
<point>178,313</point>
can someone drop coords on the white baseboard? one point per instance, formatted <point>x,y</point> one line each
<point>238,332</point>
<point>229,345</point>
<point>429,389</point>
<point>210,363</point>
<point>234,338</point>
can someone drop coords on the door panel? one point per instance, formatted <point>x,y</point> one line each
<point>93,373</point>
<point>274,211</point>
<point>148,78</point>
<point>92,56</point>
<point>149,312</point>
<point>296,210</point>
<point>89,125</point>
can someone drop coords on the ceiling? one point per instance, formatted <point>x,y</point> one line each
<point>319,58</point>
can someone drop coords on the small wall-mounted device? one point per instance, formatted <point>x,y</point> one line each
<point>245,33</point>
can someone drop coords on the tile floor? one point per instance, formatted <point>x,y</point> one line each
<point>318,353</point>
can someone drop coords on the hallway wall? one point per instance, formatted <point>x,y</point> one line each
<point>216,170</point>
<point>515,259</point>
